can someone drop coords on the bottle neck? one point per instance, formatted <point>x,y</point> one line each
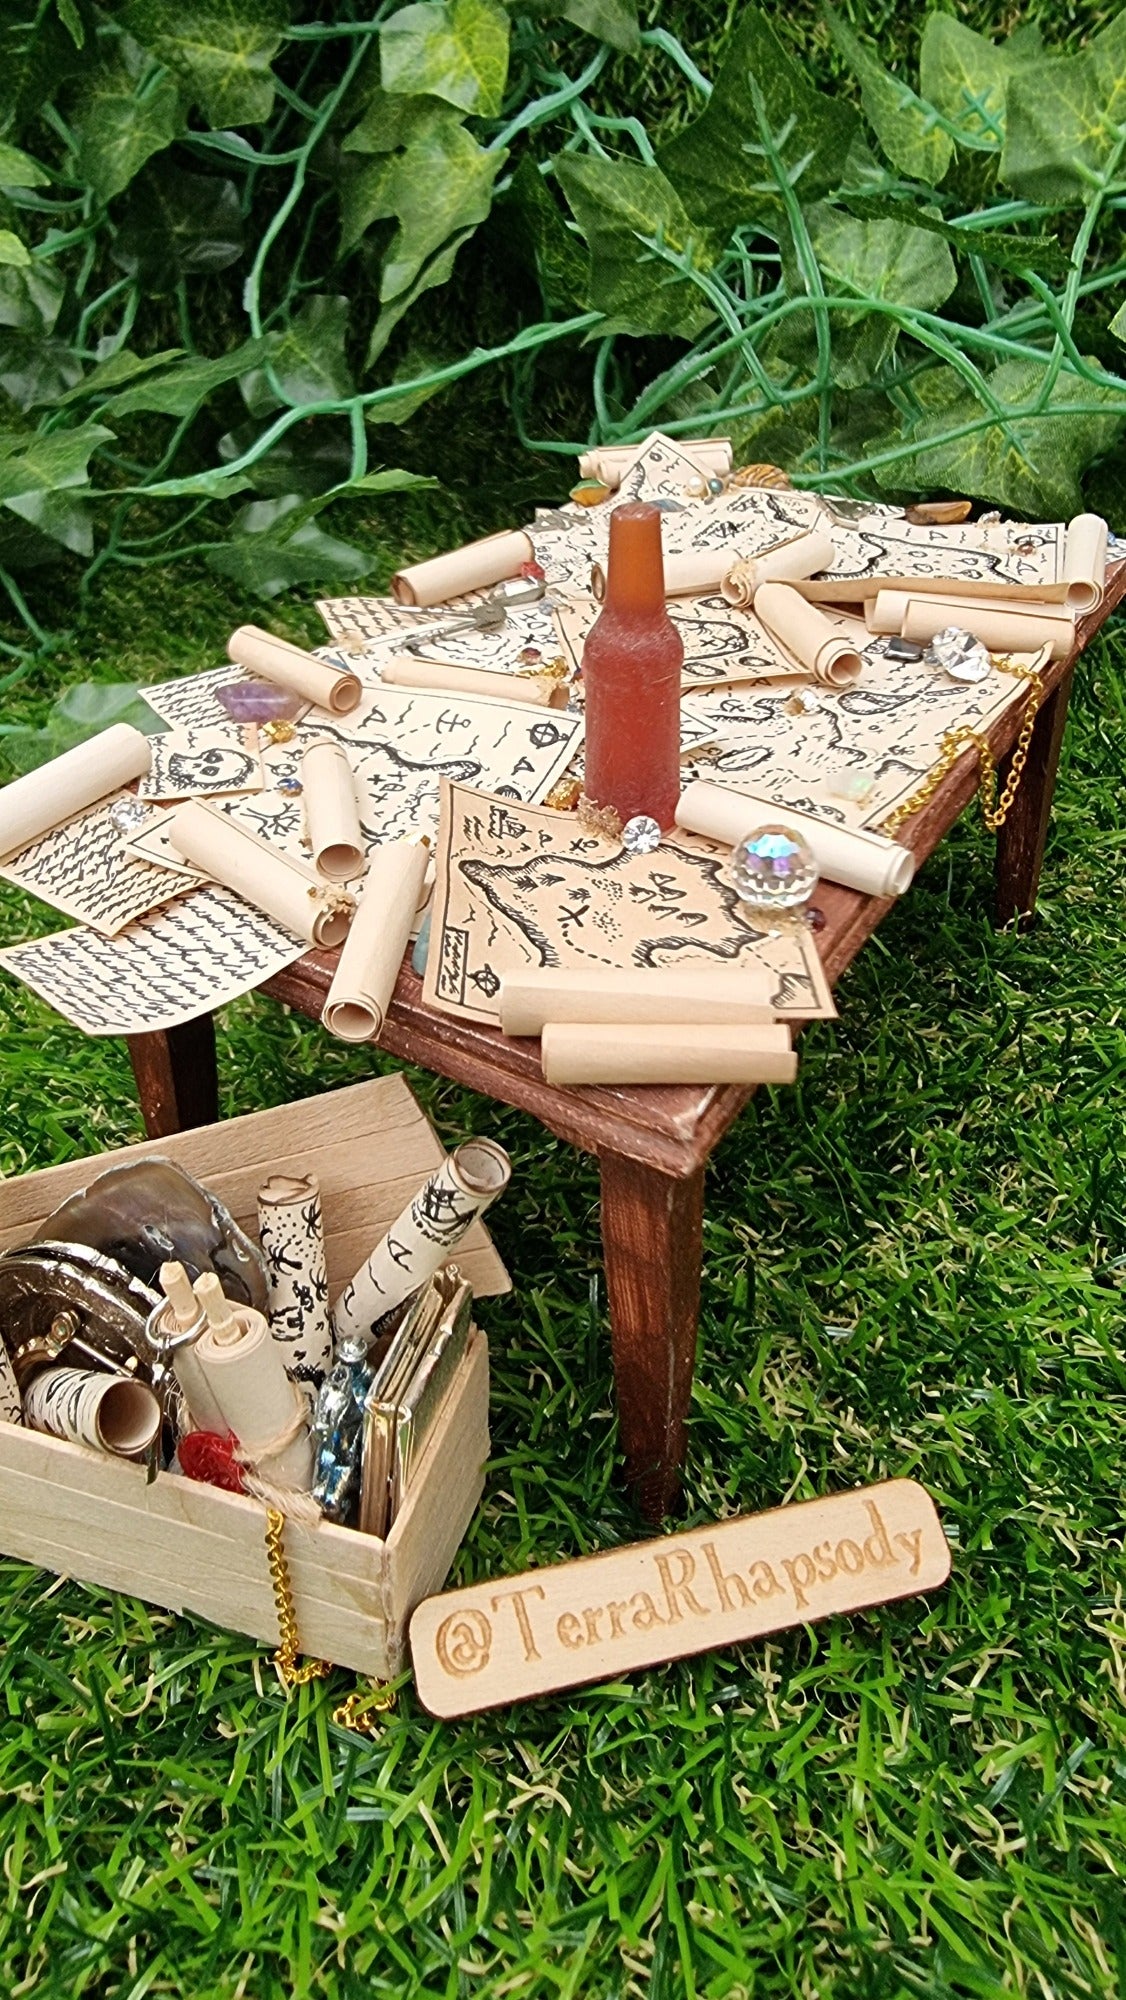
<point>635,572</point>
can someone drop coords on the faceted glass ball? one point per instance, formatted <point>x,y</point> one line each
<point>774,869</point>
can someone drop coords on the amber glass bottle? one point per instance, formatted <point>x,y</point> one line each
<point>631,674</point>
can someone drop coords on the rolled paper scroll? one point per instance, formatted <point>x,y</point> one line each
<point>11,1411</point>
<point>285,890</point>
<point>32,805</point>
<point>246,1374</point>
<point>182,1322</point>
<point>424,1235</point>
<point>696,573</point>
<point>1003,628</point>
<point>360,994</point>
<point>700,993</point>
<point>609,463</point>
<point>476,567</point>
<point>629,1053</point>
<point>332,813</point>
<point>291,1226</point>
<point>808,636</point>
<point>109,1412</point>
<point>537,688</point>
<point>791,561</point>
<point>1084,561</point>
<point>856,858</point>
<point>289,666</point>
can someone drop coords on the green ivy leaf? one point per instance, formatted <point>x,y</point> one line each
<point>437,272</point>
<point>617,204</point>
<point>902,122</point>
<point>308,363</point>
<point>882,260</point>
<point>1030,464</point>
<point>130,111</point>
<point>37,57</point>
<point>34,370</point>
<point>59,517</point>
<point>716,164</point>
<point>174,224</point>
<point>180,391</point>
<point>453,49</point>
<point>12,251</point>
<point>390,122</point>
<point>392,479</point>
<point>1066,120</point>
<point>542,239</point>
<point>994,246</point>
<point>116,369</point>
<point>31,295</point>
<point>33,463</point>
<point>277,546</point>
<point>364,185</point>
<point>966,77</point>
<point>222,48</point>
<point>72,21</point>
<point>1118,323</point>
<point>19,170</point>
<point>612,21</point>
<point>440,184</point>
<point>870,260</point>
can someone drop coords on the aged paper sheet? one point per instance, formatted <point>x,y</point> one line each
<point>202,951</point>
<point>84,869</point>
<point>524,886</point>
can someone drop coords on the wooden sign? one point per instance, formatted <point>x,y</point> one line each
<point>634,1607</point>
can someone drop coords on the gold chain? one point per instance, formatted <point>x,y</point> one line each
<point>285,1659</point>
<point>994,811</point>
<point>360,1711</point>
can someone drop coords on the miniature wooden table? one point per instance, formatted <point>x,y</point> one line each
<point>652,1143</point>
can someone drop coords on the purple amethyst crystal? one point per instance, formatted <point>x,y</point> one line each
<point>258,701</point>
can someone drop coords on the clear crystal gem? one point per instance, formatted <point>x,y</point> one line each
<point>641,835</point>
<point>960,655</point>
<point>128,814</point>
<point>774,869</point>
<point>846,783</point>
<point>803,701</point>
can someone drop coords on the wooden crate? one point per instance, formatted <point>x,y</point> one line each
<point>192,1548</point>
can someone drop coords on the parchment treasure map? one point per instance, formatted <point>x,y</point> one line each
<point>520,886</point>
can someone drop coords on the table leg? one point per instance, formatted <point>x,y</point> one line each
<point>652,1233</point>
<point>1021,841</point>
<point>177,1078</point>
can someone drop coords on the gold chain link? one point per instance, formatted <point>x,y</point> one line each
<point>359,1711</point>
<point>285,1659</point>
<point>994,811</point>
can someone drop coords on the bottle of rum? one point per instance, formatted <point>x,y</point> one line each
<point>631,674</point>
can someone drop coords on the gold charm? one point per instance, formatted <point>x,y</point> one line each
<point>278,731</point>
<point>599,819</point>
<point>565,794</point>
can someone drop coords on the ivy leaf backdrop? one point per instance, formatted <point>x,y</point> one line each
<point>235,236</point>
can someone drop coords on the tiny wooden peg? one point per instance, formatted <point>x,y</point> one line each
<point>177,1288</point>
<point>220,1312</point>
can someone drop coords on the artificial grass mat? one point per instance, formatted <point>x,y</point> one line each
<point>913,1265</point>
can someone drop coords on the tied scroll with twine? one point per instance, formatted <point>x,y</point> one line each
<point>660,1600</point>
